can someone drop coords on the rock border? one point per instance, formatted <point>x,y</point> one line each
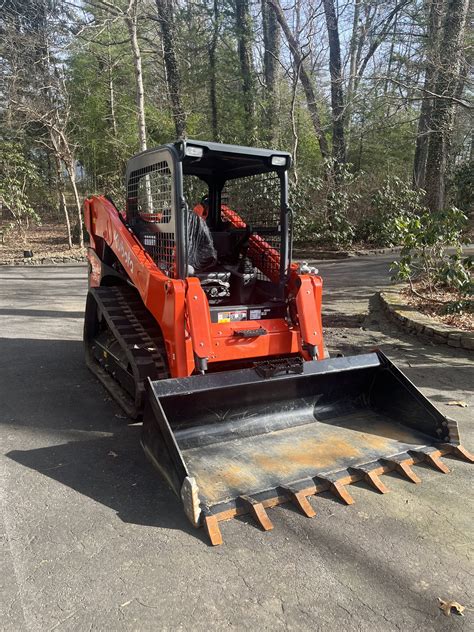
<point>417,323</point>
<point>51,259</point>
<point>304,250</point>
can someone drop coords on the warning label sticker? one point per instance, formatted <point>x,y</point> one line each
<point>232,317</point>
<point>255,314</point>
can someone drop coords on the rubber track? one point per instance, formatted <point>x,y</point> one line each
<point>139,336</point>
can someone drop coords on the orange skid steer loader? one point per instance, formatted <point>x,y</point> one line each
<point>198,322</point>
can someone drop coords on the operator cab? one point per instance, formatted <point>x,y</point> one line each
<point>241,195</point>
<point>220,211</point>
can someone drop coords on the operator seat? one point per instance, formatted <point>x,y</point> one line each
<point>201,251</point>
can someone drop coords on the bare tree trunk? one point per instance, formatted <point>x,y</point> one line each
<point>305,78</point>
<point>450,56</point>
<point>213,71</point>
<point>271,42</point>
<point>432,52</point>
<point>113,118</point>
<point>353,48</point>
<point>337,92</point>
<point>166,21</point>
<point>62,199</point>
<point>131,22</point>
<point>71,171</point>
<point>243,26</point>
<point>379,39</point>
<point>394,38</point>
<point>294,126</point>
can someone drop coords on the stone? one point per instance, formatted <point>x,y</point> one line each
<point>454,342</point>
<point>467,342</point>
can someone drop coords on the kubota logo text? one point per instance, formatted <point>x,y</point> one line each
<point>122,252</point>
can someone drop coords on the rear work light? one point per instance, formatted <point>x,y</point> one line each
<point>278,161</point>
<point>193,152</point>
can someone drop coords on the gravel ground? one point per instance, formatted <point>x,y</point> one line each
<point>93,540</point>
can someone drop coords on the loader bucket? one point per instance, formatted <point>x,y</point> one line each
<point>236,442</point>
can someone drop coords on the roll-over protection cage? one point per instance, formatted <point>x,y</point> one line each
<point>154,182</point>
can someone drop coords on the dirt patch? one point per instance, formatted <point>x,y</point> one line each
<point>47,241</point>
<point>436,303</point>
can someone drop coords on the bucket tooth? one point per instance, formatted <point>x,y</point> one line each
<point>403,467</point>
<point>338,489</point>
<point>213,531</point>
<point>258,512</point>
<point>341,492</point>
<point>300,500</point>
<point>432,457</point>
<point>371,477</point>
<point>459,451</point>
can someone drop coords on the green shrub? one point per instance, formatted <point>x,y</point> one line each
<point>18,175</point>
<point>321,207</point>
<point>462,186</point>
<point>394,202</point>
<point>425,255</point>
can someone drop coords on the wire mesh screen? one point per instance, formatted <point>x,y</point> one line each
<point>255,201</point>
<point>154,194</point>
<point>161,247</point>
<point>255,198</point>
<point>150,209</point>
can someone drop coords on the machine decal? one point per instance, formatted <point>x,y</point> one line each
<point>123,252</point>
<point>232,317</point>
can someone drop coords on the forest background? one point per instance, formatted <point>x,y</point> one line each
<point>373,98</point>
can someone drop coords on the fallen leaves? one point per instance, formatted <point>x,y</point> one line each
<point>451,607</point>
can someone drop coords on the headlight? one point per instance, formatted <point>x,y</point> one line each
<point>278,161</point>
<point>193,152</point>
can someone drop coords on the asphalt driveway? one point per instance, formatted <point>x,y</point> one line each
<point>93,540</point>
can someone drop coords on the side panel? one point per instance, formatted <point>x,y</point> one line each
<point>309,306</point>
<point>95,268</point>
<point>164,297</point>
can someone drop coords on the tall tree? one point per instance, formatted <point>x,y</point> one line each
<point>271,54</point>
<point>442,116</point>
<point>41,99</point>
<point>213,70</point>
<point>305,78</point>
<point>131,17</point>
<point>243,25</point>
<point>433,35</point>
<point>173,76</point>
<point>129,14</point>
<point>337,91</point>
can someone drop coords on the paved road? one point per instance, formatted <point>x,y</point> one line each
<point>93,540</point>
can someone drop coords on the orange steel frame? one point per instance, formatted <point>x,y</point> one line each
<point>181,308</point>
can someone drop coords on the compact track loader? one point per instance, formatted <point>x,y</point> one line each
<point>198,322</point>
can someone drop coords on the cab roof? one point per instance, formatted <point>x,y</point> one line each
<point>228,161</point>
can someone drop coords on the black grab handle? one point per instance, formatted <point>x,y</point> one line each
<point>250,333</point>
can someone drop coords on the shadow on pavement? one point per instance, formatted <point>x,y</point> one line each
<point>41,313</point>
<point>112,471</point>
<point>49,397</point>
